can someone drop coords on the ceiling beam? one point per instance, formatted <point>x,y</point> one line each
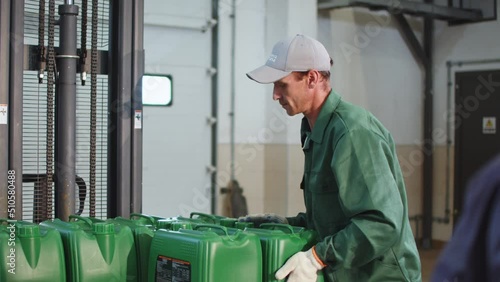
<point>406,7</point>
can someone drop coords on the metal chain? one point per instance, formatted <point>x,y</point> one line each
<point>83,48</point>
<point>39,206</point>
<point>41,40</point>
<point>93,107</point>
<point>50,107</point>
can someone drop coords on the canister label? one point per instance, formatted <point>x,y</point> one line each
<point>172,270</point>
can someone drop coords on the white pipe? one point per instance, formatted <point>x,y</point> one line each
<point>233,87</point>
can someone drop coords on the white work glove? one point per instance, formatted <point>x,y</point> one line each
<point>301,267</point>
<point>258,219</point>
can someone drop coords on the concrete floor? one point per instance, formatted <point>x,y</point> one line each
<point>428,260</point>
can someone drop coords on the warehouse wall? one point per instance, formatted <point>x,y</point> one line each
<point>464,43</point>
<point>373,67</point>
<point>266,138</point>
<point>176,146</point>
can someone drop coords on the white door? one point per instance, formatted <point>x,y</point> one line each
<point>177,138</point>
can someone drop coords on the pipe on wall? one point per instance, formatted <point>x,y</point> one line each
<point>214,94</point>
<point>428,145</point>
<point>233,88</point>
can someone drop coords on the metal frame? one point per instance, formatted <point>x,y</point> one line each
<point>16,99</point>
<point>137,73</point>
<point>65,115</point>
<point>426,9</point>
<point>470,3</point>
<point>30,61</point>
<point>119,107</point>
<point>126,67</point>
<point>4,99</point>
<point>411,39</point>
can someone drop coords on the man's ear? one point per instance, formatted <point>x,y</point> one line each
<point>312,78</point>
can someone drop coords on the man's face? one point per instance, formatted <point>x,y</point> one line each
<point>291,93</point>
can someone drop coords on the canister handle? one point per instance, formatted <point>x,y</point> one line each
<point>2,220</point>
<point>280,226</point>
<point>212,226</point>
<point>200,214</point>
<point>151,220</point>
<point>86,220</point>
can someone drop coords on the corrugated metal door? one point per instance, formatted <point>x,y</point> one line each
<point>177,41</point>
<point>477,138</point>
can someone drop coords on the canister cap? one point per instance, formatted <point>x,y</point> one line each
<point>163,224</point>
<point>228,222</point>
<point>28,230</point>
<point>243,225</point>
<point>104,228</point>
<point>176,225</point>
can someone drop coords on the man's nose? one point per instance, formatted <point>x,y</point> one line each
<point>276,94</point>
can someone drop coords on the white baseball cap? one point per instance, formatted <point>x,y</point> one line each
<point>297,53</point>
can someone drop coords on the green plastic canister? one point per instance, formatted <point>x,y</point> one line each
<point>207,218</point>
<point>228,222</point>
<point>279,242</point>
<point>193,220</point>
<point>243,225</point>
<point>207,254</point>
<point>96,251</point>
<point>29,252</point>
<point>143,228</point>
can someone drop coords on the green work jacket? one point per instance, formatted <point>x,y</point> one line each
<point>355,197</point>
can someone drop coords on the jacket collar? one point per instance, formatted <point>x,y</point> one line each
<point>329,106</point>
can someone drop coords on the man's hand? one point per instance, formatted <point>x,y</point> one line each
<point>258,219</point>
<point>301,267</point>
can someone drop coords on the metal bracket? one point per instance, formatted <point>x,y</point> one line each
<point>211,71</point>
<point>211,121</point>
<point>211,169</point>
<point>210,23</point>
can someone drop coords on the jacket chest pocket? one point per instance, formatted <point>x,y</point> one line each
<point>326,206</point>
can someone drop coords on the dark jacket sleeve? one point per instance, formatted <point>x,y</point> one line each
<point>473,252</point>
<point>298,220</point>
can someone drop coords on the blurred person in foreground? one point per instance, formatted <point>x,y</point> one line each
<point>353,187</point>
<point>473,252</point>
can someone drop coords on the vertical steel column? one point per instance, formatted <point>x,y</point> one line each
<point>215,65</point>
<point>4,101</point>
<point>428,149</point>
<point>120,109</point>
<point>16,100</point>
<point>65,138</point>
<point>232,108</point>
<point>137,73</point>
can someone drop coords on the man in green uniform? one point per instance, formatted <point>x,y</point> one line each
<point>353,187</point>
